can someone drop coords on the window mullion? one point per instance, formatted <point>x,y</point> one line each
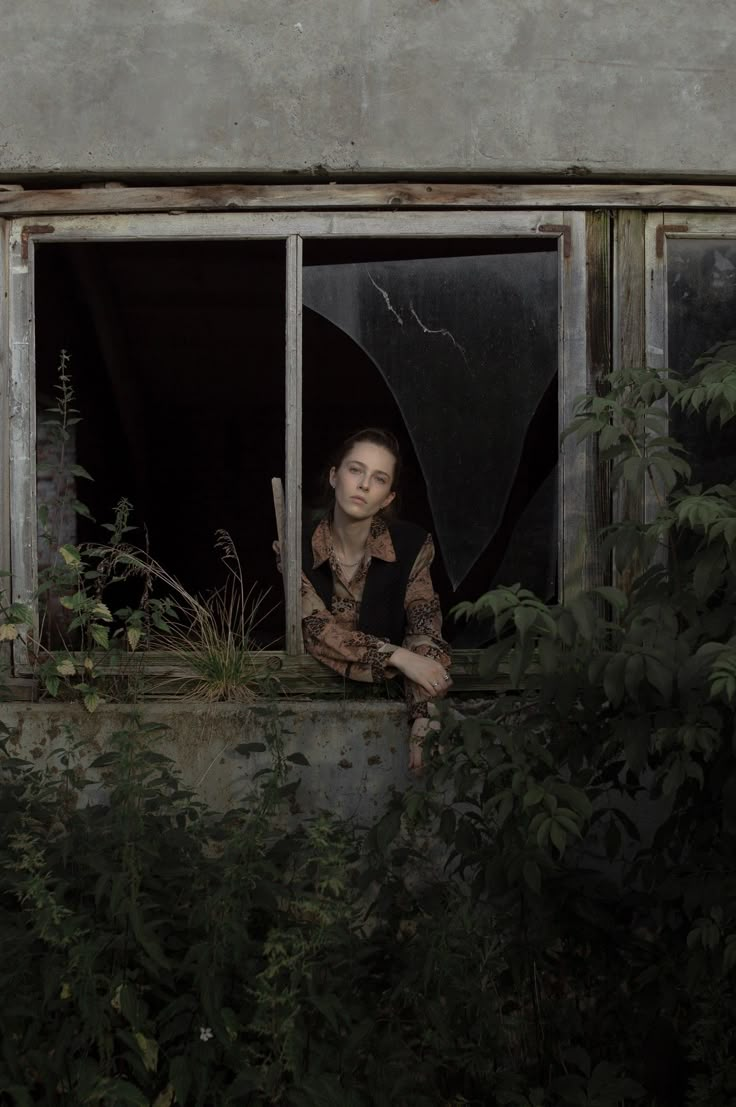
<point>22,434</point>
<point>4,400</point>
<point>656,320</point>
<point>291,559</point>
<point>572,474</point>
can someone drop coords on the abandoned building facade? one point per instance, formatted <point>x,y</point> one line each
<point>253,230</point>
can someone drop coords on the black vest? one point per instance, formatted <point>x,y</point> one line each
<point>382,607</point>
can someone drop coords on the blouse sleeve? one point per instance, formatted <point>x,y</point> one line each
<point>351,653</point>
<point>423,627</point>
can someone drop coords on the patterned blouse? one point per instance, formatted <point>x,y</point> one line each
<point>333,636</point>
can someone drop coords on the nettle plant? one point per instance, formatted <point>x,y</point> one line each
<point>98,642</point>
<point>592,807</point>
<point>89,644</point>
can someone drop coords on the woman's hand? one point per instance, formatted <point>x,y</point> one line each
<point>432,677</point>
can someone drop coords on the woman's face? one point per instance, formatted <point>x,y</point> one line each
<point>363,480</point>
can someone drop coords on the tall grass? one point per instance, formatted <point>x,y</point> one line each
<point>212,636</point>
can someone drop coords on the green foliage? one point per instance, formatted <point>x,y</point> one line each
<point>547,920</point>
<point>599,797</point>
<point>213,636</point>
<point>210,637</point>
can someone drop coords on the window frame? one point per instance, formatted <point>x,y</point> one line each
<point>660,228</point>
<point>570,228</point>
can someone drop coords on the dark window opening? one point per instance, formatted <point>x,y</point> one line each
<point>177,362</point>
<point>701,307</point>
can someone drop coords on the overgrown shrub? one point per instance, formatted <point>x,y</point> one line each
<point>547,919</point>
<point>594,806</point>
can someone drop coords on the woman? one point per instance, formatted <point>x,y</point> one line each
<point>369,610</point>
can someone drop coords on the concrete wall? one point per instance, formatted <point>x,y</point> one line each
<point>608,87</point>
<point>357,752</point>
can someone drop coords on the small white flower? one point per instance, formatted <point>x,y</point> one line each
<point>205,1033</point>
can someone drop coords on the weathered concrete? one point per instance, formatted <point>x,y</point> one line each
<point>357,751</point>
<point>639,88</point>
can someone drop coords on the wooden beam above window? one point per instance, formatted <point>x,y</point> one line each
<point>246,197</point>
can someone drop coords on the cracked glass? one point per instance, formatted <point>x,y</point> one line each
<point>462,336</point>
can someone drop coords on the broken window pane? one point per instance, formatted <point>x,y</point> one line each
<point>462,337</point>
<point>701,319</point>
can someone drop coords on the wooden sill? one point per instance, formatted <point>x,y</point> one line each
<point>282,675</point>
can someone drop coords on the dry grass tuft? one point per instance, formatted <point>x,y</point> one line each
<point>212,636</point>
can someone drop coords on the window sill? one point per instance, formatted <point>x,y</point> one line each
<point>289,676</point>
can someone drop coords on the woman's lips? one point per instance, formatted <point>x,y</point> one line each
<point>359,499</point>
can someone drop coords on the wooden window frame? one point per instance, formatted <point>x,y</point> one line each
<point>582,258</point>
<point>660,228</point>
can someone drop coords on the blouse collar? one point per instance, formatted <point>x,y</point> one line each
<point>379,541</point>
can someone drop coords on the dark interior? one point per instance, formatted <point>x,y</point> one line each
<point>177,360</point>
